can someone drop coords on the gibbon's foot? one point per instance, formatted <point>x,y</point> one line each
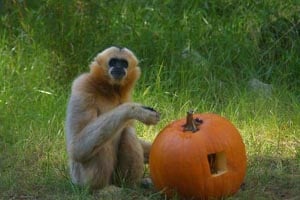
<point>146,183</point>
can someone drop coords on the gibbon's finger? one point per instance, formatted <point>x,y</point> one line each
<point>152,118</point>
<point>149,108</point>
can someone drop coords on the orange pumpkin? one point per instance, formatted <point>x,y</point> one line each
<point>200,158</point>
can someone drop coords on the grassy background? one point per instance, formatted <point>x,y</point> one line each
<point>194,55</point>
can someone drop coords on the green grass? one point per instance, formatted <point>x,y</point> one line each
<point>194,55</point>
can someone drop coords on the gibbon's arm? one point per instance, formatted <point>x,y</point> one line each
<point>95,132</point>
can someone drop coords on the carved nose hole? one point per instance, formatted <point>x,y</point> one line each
<point>217,163</point>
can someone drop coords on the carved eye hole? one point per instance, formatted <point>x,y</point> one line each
<point>116,62</point>
<point>217,163</point>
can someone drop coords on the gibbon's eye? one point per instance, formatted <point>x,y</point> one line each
<point>112,62</point>
<point>124,63</point>
<point>116,62</point>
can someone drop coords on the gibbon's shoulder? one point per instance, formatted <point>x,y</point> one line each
<point>81,83</point>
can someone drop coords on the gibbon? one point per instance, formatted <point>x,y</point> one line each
<point>102,144</point>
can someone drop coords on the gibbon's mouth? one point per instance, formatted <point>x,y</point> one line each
<point>117,74</point>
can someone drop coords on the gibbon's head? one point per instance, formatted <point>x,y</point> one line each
<point>116,65</point>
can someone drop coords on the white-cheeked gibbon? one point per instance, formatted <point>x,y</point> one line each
<point>102,144</point>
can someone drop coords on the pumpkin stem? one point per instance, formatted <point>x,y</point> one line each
<point>191,123</point>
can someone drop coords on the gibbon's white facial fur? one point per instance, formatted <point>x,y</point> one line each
<point>102,144</point>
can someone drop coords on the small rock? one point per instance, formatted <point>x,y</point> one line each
<point>260,87</point>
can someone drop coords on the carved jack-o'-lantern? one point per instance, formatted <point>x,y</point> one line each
<point>200,157</point>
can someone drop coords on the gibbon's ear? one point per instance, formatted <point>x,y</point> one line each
<point>98,67</point>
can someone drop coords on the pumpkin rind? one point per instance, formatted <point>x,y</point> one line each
<point>179,159</point>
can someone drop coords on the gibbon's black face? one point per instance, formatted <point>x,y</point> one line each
<point>117,68</point>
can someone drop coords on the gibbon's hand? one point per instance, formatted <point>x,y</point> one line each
<point>154,116</point>
<point>144,114</point>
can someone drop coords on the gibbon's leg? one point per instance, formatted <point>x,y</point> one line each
<point>130,164</point>
<point>146,149</point>
<point>97,172</point>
